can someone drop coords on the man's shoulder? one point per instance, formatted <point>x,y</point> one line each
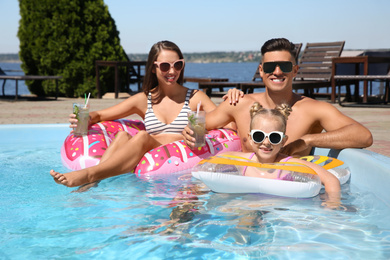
<point>312,108</point>
<point>243,102</point>
<point>254,97</point>
<point>307,102</point>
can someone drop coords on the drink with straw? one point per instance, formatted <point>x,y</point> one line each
<point>197,123</point>
<point>82,115</point>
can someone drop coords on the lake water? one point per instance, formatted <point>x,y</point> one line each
<point>232,71</point>
<point>235,72</point>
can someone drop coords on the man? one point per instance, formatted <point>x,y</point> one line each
<point>308,118</point>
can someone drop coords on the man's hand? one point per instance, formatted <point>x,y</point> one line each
<point>298,147</point>
<point>188,136</point>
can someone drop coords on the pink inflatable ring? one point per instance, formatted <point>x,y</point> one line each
<point>79,152</point>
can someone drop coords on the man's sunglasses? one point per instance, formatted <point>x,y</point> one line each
<point>166,66</point>
<point>275,137</point>
<point>285,66</point>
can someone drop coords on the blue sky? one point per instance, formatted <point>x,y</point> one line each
<point>222,25</point>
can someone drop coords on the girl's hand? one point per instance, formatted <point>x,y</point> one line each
<point>233,95</point>
<point>332,200</point>
<point>335,205</point>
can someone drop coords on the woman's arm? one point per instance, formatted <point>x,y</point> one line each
<point>136,104</point>
<point>206,103</point>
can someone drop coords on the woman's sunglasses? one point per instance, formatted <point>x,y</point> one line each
<point>166,66</point>
<point>275,137</point>
<point>285,66</point>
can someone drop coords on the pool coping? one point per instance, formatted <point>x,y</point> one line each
<point>32,125</point>
<point>370,171</point>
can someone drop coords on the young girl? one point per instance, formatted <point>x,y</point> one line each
<point>267,137</point>
<point>163,105</point>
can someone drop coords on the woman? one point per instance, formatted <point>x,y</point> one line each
<point>163,105</point>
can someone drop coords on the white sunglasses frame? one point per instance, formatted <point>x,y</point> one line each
<point>266,135</point>
<point>172,65</point>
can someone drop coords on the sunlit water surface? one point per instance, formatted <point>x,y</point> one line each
<point>173,218</point>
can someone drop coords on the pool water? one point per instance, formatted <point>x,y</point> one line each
<point>171,218</point>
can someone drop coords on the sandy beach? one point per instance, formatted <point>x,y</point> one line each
<point>57,111</point>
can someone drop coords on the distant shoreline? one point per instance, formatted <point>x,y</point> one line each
<point>9,57</point>
<point>10,61</point>
<point>194,57</point>
<point>202,57</point>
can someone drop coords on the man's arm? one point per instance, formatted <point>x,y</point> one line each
<point>341,131</point>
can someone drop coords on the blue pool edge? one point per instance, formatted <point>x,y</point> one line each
<point>32,126</point>
<point>370,171</point>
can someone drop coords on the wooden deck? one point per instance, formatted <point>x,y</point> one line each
<point>28,77</point>
<point>133,74</point>
<point>199,80</point>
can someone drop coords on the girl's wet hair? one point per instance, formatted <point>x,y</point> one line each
<point>281,112</point>
<point>150,79</point>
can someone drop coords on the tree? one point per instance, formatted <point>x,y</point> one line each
<point>66,37</point>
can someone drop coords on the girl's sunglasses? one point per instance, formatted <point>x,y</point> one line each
<point>285,66</point>
<point>275,137</point>
<point>166,66</point>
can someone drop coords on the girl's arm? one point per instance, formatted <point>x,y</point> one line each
<point>331,183</point>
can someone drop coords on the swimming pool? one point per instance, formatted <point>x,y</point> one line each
<point>125,217</point>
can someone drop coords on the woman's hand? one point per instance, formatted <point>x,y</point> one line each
<point>188,136</point>
<point>73,122</point>
<point>233,95</point>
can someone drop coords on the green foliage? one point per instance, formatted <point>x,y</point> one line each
<point>66,37</point>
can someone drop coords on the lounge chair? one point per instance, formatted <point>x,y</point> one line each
<point>315,67</point>
<point>247,87</point>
